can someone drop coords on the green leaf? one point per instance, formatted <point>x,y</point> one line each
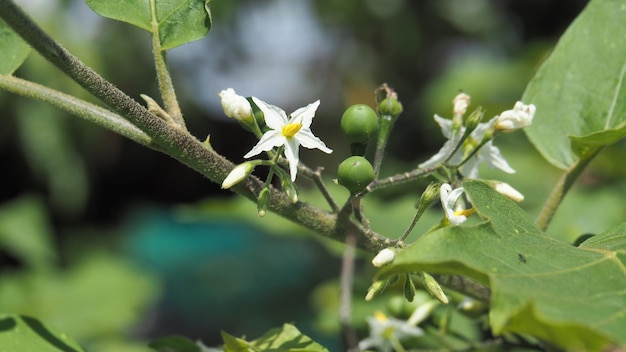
<point>26,233</point>
<point>570,296</point>
<point>14,50</point>
<point>20,333</point>
<point>175,22</point>
<point>580,89</point>
<point>285,339</point>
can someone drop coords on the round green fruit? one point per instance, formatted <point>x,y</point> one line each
<point>355,173</point>
<point>359,123</point>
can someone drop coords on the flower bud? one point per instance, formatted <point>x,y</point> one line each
<point>506,190</point>
<point>263,200</point>
<point>473,120</point>
<point>432,286</point>
<point>384,257</point>
<point>290,189</point>
<point>519,117</point>
<point>390,106</point>
<point>235,106</point>
<point>238,174</point>
<point>377,288</point>
<point>409,288</point>
<point>460,103</point>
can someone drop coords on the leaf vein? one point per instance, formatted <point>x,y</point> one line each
<point>620,80</point>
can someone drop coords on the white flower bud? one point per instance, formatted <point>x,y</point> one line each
<point>238,174</point>
<point>460,102</point>
<point>384,257</point>
<point>506,190</point>
<point>521,116</point>
<point>235,106</point>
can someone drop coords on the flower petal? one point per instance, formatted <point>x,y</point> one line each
<point>438,158</point>
<point>269,140</point>
<point>275,117</point>
<point>310,141</point>
<point>492,156</point>
<point>445,124</point>
<point>305,114</point>
<point>291,154</point>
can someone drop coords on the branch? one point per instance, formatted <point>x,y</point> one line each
<point>179,143</point>
<point>75,106</point>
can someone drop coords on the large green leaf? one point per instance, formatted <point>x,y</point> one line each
<point>14,49</point>
<point>176,22</point>
<point>571,296</point>
<point>580,89</point>
<point>18,333</point>
<point>285,339</point>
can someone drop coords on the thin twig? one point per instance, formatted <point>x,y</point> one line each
<point>345,294</point>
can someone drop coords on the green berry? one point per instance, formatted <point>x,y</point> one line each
<point>355,173</point>
<point>359,123</point>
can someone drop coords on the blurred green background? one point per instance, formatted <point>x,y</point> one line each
<point>116,244</point>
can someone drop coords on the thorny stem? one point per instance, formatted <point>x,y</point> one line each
<point>316,177</point>
<point>398,179</point>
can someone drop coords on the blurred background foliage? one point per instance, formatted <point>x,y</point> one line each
<point>114,243</point>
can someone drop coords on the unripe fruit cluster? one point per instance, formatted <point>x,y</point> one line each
<point>359,123</point>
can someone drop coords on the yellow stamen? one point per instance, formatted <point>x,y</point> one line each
<point>380,316</point>
<point>291,129</point>
<point>465,212</point>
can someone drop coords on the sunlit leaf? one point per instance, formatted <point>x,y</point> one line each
<point>573,297</point>
<point>19,333</point>
<point>580,90</point>
<point>285,339</point>
<point>176,22</point>
<point>14,49</point>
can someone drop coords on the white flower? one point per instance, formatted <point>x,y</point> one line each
<point>288,132</point>
<point>235,106</point>
<point>449,199</point>
<point>488,154</point>
<point>386,332</point>
<point>506,190</point>
<point>237,174</point>
<point>384,257</point>
<point>521,116</point>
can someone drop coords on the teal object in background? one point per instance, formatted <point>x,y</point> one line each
<point>225,274</point>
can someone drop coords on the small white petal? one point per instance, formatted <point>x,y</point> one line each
<point>310,141</point>
<point>384,257</point>
<point>291,154</point>
<point>460,103</point>
<point>269,140</point>
<point>519,117</point>
<point>305,115</point>
<point>275,117</point>
<point>491,155</point>
<point>508,191</point>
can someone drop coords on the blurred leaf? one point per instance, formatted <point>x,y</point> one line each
<point>579,90</point>
<point>570,296</point>
<point>20,333</point>
<point>85,300</point>
<point>25,232</point>
<point>49,150</point>
<point>176,22</point>
<point>174,344</point>
<point>284,339</point>
<point>14,50</point>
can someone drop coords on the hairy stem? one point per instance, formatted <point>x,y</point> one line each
<point>75,106</point>
<point>166,86</point>
<point>562,186</point>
